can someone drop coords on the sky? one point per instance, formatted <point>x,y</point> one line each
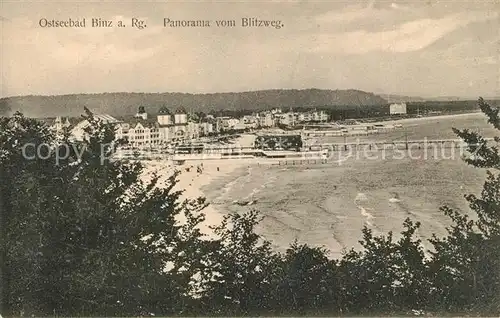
<point>417,48</point>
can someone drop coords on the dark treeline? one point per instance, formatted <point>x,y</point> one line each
<point>413,108</point>
<point>444,106</point>
<point>231,113</point>
<point>341,112</point>
<point>82,235</point>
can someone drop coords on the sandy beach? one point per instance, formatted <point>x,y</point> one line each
<point>417,120</point>
<point>191,181</point>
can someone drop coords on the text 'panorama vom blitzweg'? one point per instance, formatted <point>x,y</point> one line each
<point>243,22</point>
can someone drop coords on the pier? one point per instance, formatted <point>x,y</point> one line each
<point>315,153</point>
<point>387,145</point>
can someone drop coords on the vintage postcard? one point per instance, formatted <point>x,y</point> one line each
<point>249,158</point>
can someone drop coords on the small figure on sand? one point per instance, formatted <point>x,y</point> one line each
<point>217,168</point>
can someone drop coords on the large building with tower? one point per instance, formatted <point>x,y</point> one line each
<point>166,127</point>
<point>145,130</point>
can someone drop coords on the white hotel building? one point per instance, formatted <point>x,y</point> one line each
<point>145,131</point>
<point>162,129</point>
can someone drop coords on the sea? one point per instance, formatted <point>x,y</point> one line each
<point>328,204</point>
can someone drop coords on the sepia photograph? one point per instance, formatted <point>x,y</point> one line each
<point>237,158</point>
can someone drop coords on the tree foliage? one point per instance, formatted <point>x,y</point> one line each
<point>85,235</point>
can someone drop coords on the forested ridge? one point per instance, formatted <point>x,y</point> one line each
<point>118,104</point>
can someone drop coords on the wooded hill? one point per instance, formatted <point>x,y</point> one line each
<point>127,103</point>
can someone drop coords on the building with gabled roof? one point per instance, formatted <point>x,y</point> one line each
<point>140,132</point>
<point>180,110</point>
<point>180,116</point>
<point>164,110</point>
<point>78,131</point>
<point>107,119</point>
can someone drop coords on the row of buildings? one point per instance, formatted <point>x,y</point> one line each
<point>143,129</point>
<point>167,127</point>
<point>272,118</point>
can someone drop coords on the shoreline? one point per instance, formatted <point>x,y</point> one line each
<point>418,119</point>
<point>194,184</point>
